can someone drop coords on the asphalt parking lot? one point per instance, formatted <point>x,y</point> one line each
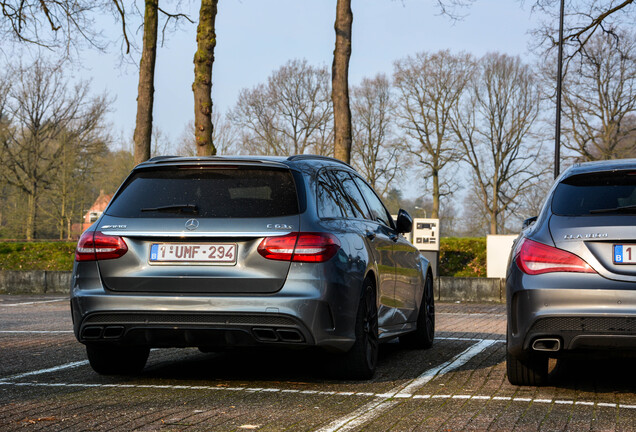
<point>459,384</point>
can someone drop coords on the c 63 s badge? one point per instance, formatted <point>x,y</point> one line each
<point>279,227</point>
<point>114,227</point>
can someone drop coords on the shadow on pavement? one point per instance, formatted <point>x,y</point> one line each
<point>310,365</point>
<point>616,375</point>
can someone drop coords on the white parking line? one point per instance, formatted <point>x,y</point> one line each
<point>469,339</point>
<point>454,363</point>
<point>373,409</point>
<point>380,397</point>
<point>33,302</point>
<point>35,331</point>
<point>43,371</point>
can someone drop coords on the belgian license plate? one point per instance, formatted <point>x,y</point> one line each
<point>625,254</point>
<point>206,253</point>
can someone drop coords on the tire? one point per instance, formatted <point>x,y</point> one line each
<point>360,362</point>
<point>423,336</point>
<point>115,360</point>
<point>531,371</point>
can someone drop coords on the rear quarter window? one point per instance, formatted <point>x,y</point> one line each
<point>207,193</point>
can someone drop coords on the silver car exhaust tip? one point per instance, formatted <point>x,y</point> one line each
<point>546,344</point>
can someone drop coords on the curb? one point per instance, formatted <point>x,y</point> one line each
<point>35,282</point>
<point>446,288</point>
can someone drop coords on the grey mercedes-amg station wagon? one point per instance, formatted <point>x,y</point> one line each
<point>571,282</point>
<point>221,252</point>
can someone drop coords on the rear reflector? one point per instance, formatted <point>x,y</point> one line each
<point>94,245</point>
<point>537,258</point>
<point>300,247</point>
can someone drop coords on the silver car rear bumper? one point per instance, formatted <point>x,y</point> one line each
<point>590,314</point>
<point>302,313</point>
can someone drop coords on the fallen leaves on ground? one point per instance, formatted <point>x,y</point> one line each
<point>38,420</point>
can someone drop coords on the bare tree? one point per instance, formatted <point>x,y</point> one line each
<point>202,85</point>
<point>291,114</point>
<point>43,109</point>
<point>66,25</point>
<point>583,19</point>
<point>146,89</point>
<point>109,170</point>
<point>375,153</point>
<point>145,93</point>
<point>340,81</point>
<point>599,98</point>
<point>430,87</point>
<point>68,187</point>
<point>494,126</point>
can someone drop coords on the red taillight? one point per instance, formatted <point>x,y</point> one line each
<point>300,247</point>
<point>536,258</point>
<point>94,245</point>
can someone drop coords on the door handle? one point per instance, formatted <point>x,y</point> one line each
<point>370,235</point>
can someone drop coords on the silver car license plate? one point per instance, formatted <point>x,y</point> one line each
<point>624,254</point>
<point>206,253</point>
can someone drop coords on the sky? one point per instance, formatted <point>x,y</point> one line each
<point>255,37</point>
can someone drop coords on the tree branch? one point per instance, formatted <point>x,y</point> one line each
<point>122,15</point>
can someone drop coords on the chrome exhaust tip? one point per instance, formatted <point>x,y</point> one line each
<point>547,344</point>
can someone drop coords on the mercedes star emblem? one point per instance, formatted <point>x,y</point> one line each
<point>192,224</point>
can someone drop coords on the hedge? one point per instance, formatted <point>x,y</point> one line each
<point>53,256</point>
<point>462,256</point>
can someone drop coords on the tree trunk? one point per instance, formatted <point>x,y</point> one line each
<point>202,86</point>
<point>146,90</point>
<point>30,219</point>
<point>62,216</point>
<point>340,81</point>
<point>494,211</point>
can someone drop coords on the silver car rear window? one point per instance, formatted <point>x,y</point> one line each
<point>596,194</point>
<point>238,192</point>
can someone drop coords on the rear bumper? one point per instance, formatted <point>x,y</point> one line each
<point>302,313</point>
<point>585,313</point>
<point>213,330</point>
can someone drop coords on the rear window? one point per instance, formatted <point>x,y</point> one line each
<point>596,194</point>
<point>207,193</point>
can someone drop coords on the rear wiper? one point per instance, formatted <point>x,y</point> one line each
<point>191,208</point>
<point>623,209</point>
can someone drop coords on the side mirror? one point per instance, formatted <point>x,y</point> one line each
<point>404,222</point>
<point>528,222</point>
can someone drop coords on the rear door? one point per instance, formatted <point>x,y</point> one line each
<point>407,279</point>
<point>381,237</point>
<point>196,228</point>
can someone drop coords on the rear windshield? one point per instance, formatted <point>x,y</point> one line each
<point>208,192</point>
<point>596,194</point>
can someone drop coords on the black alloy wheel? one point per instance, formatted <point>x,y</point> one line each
<point>424,334</point>
<point>361,360</point>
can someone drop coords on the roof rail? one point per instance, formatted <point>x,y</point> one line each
<point>316,157</point>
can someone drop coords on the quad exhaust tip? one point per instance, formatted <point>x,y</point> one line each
<point>264,334</point>
<point>99,332</point>
<point>547,344</point>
